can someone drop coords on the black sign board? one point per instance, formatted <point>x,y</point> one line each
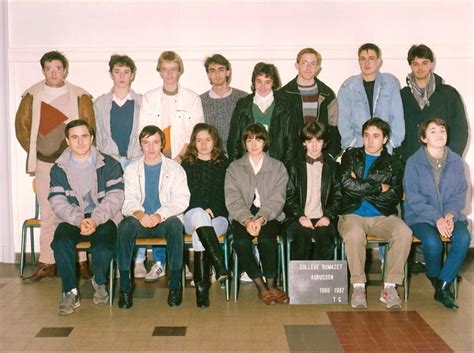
<point>318,282</point>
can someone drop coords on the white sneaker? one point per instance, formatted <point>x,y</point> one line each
<point>155,273</point>
<point>188,273</point>
<point>140,270</point>
<point>244,278</point>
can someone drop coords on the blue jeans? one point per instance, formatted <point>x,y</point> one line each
<point>432,249</point>
<point>173,231</point>
<point>196,218</point>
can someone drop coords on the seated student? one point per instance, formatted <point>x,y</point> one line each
<point>156,195</point>
<point>371,186</point>
<point>86,195</point>
<point>436,186</point>
<point>206,217</point>
<point>255,191</point>
<point>313,197</point>
<point>270,108</point>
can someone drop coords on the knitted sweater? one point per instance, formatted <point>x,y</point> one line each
<point>218,112</point>
<point>206,184</point>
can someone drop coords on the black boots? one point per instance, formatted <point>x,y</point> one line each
<point>444,296</point>
<point>201,279</point>
<point>208,238</point>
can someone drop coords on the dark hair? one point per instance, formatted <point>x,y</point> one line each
<point>54,55</point>
<point>122,60</point>
<point>419,51</point>
<point>379,124</point>
<point>151,130</point>
<point>268,70</point>
<point>314,129</point>
<point>217,155</point>
<point>425,124</point>
<point>369,46</point>
<point>257,131</point>
<point>219,60</point>
<point>76,123</point>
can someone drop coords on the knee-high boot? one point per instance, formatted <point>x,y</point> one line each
<point>201,279</point>
<point>208,238</point>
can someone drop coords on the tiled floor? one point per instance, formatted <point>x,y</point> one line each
<point>29,322</point>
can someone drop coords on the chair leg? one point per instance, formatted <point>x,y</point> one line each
<point>226,261</point>
<point>111,282</point>
<point>282,264</point>
<point>22,250</point>
<point>236,277</point>
<point>405,282</point>
<point>32,243</point>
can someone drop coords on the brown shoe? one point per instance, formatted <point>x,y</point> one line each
<point>280,296</point>
<point>44,271</point>
<point>267,297</point>
<point>84,270</point>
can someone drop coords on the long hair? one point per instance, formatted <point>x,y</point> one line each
<point>217,155</point>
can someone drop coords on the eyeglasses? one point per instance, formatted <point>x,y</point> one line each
<point>50,69</point>
<point>166,70</point>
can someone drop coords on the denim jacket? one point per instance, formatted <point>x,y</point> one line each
<point>354,109</point>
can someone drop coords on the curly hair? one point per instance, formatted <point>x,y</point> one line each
<point>217,155</point>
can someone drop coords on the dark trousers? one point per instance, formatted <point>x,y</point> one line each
<point>102,249</point>
<point>171,229</point>
<point>267,249</point>
<point>301,241</point>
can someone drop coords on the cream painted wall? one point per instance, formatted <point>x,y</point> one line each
<point>88,32</point>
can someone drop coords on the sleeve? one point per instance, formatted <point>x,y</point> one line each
<point>180,195</point>
<point>100,135</point>
<point>414,199</point>
<point>334,146</point>
<point>334,201</point>
<point>273,206</point>
<point>23,121</point>
<point>132,202</point>
<point>293,209</point>
<point>235,203</point>
<point>455,201</point>
<point>356,187</point>
<point>62,208</point>
<point>234,148</point>
<point>293,145</point>
<point>86,110</point>
<point>396,117</point>
<point>458,126</point>
<point>392,196</point>
<point>344,119</point>
<point>112,203</point>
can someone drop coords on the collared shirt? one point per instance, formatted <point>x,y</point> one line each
<point>122,101</point>
<point>256,168</point>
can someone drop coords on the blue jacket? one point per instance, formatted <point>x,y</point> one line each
<point>108,196</point>
<point>422,204</point>
<point>354,109</point>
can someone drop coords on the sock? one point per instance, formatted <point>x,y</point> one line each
<point>124,280</point>
<point>74,291</point>
<point>389,285</point>
<point>358,285</point>
<point>175,279</point>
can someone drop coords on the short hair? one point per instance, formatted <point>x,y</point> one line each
<point>54,55</point>
<point>379,124</point>
<point>370,46</point>
<point>425,124</point>
<point>173,57</point>
<point>151,130</point>
<point>268,70</point>
<point>314,129</point>
<point>257,131</point>
<point>309,51</point>
<point>219,60</point>
<point>217,155</point>
<point>419,51</point>
<point>76,123</point>
<point>122,60</point>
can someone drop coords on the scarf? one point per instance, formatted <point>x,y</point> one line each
<point>422,95</point>
<point>263,102</point>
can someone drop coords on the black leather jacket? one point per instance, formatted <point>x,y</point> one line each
<point>328,111</point>
<point>386,169</point>
<point>283,135</point>
<point>297,187</point>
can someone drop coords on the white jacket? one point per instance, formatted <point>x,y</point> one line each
<point>172,186</point>
<point>188,113</point>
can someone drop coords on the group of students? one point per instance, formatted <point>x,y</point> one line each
<point>177,173</point>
